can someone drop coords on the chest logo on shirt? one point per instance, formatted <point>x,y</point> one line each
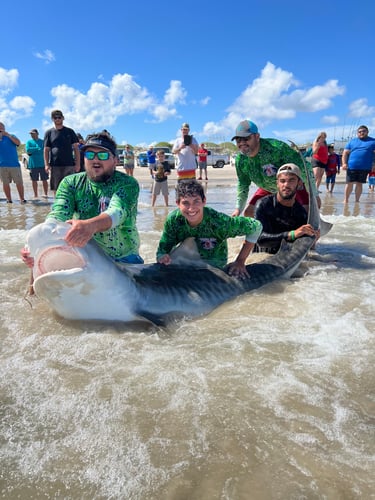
<point>208,243</point>
<point>103,203</point>
<point>269,170</point>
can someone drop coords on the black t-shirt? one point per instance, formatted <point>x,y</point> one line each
<point>160,169</point>
<point>277,221</point>
<point>61,143</point>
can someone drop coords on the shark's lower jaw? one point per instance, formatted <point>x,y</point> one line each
<point>57,258</point>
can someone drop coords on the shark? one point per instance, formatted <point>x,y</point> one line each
<point>85,284</point>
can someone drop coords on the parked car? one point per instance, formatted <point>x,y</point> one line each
<point>142,159</point>
<point>120,156</point>
<point>171,160</point>
<point>217,160</point>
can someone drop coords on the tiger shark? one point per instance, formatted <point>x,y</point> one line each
<point>85,284</point>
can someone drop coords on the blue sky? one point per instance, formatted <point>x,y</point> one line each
<point>140,69</point>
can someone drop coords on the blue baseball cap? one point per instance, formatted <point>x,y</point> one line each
<point>245,128</point>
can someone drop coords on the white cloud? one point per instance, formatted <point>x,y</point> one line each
<point>8,80</point>
<point>331,120</point>
<point>274,95</point>
<point>47,56</point>
<point>19,106</point>
<point>205,101</point>
<point>360,108</point>
<point>176,94</point>
<point>105,102</point>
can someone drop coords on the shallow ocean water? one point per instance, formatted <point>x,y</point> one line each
<point>271,396</point>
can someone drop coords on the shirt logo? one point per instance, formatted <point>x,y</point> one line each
<point>208,243</point>
<point>269,170</point>
<point>103,203</point>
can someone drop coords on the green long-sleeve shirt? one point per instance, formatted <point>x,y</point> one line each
<point>262,168</point>
<point>80,198</point>
<point>210,235</point>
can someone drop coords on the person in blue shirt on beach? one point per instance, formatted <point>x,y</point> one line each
<point>358,161</point>
<point>34,147</point>
<point>10,170</point>
<point>151,160</point>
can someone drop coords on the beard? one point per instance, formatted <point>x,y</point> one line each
<point>100,178</point>
<point>287,196</point>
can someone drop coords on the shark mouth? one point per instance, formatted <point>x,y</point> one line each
<point>58,258</point>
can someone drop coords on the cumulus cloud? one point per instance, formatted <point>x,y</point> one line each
<point>360,109</point>
<point>103,103</point>
<point>8,80</point>
<point>47,56</point>
<point>17,107</point>
<point>331,120</point>
<point>275,95</point>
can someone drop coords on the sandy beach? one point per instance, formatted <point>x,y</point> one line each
<point>332,204</point>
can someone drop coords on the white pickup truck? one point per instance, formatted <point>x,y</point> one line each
<point>217,160</point>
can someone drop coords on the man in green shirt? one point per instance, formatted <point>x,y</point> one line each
<point>258,162</point>
<point>209,228</point>
<point>99,204</point>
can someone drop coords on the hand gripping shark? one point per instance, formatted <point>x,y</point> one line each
<point>83,283</point>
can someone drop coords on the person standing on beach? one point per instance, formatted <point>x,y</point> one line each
<point>128,160</point>
<point>186,148</point>
<point>161,173</point>
<point>34,147</point>
<point>151,160</point>
<point>358,161</point>
<point>258,162</point>
<point>61,150</point>
<point>332,168</point>
<point>202,161</point>
<point>10,170</point>
<point>319,158</point>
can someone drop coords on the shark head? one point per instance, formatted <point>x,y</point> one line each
<point>79,283</point>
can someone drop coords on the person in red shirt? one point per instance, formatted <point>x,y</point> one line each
<point>319,158</point>
<point>202,161</point>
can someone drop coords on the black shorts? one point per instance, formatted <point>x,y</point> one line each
<point>356,176</point>
<point>58,174</point>
<point>38,173</point>
<point>316,163</point>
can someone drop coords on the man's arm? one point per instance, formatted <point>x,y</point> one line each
<point>77,157</point>
<point>13,138</point>
<point>243,184</point>
<point>345,157</point>
<point>82,231</point>
<point>46,154</point>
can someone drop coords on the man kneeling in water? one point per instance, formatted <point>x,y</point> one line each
<point>282,217</point>
<point>209,228</point>
<point>100,203</point>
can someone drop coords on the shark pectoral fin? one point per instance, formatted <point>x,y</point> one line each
<point>325,227</point>
<point>187,253</point>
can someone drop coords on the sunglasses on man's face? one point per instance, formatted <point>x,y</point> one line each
<point>101,155</point>
<point>57,117</point>
<point>243,139</point>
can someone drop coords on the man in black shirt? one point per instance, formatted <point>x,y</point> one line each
<point>281,215</point>
<point>61,152</point>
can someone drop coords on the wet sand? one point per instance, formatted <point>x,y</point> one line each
<point>332,204</point>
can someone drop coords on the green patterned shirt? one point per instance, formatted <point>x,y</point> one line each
<point>210,235</point>
<point>262,168</point>
<point>80,198</point>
